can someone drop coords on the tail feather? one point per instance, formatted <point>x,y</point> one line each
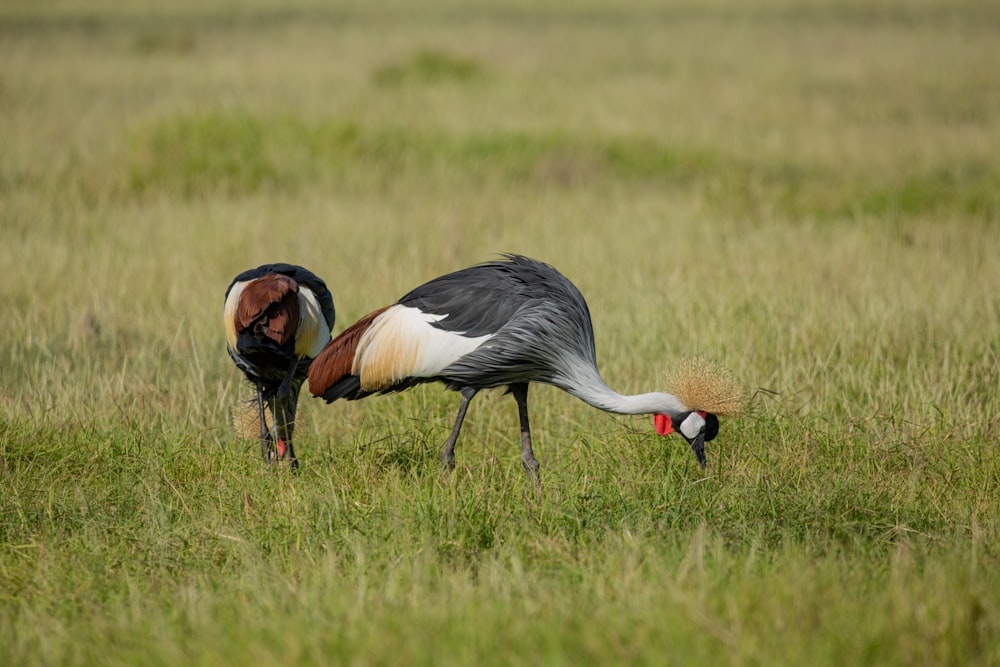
<point>347,387</point>
<point>330,373</point>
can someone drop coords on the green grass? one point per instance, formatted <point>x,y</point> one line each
<point>804,192</point>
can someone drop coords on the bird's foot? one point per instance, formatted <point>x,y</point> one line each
<point>531,467</point>
<point>448,461</point>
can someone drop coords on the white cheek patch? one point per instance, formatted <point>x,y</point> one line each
<point>692,426</point>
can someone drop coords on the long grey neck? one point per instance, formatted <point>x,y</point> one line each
<point>590,388</point>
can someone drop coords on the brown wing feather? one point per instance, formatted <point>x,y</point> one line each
<point>276,297</point>
<point>336,359</point>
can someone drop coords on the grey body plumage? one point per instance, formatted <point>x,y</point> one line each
<point>539,320</point>
<point>506,323</point>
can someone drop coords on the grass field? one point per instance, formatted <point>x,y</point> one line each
<point>806,192</point>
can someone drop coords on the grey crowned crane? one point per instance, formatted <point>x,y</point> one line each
<point>504,323</point>
<point>278,317</point>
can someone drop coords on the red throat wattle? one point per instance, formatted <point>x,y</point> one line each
<point>663,424</point>
<point>281,448</point>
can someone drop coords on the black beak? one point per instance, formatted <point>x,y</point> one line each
<point>698,446</point>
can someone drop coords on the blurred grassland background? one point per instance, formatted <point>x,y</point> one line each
<point>807,192</point>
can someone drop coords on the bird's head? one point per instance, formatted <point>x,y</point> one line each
<point>709,392</point>
<point>695,426</point>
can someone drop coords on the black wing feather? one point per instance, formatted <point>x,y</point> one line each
<point>482,299</point>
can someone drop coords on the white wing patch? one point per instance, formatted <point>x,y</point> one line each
<point>313,333</point>
<point>229,312</point>
<point>401,343</point>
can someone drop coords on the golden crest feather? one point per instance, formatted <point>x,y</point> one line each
<point>706,386</point>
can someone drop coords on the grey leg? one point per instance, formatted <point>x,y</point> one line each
<point>528,460</point>
<point>265,435</point>
<point>448,455</point>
